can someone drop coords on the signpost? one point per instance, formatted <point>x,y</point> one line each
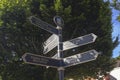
<point>76,42</point>
<point>50,43</point>
<point>56,40</point>
<point>43,25</point>
<point>80,41</point>
<point>80,58</point>
<point>51,39</point>
<point>40,60</point>
<point>59,22</point>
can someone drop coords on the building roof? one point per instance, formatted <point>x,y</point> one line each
<point>115,73</point>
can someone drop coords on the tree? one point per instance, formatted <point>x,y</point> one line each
<point>15,41</point>
<point>18,36</point>
<point>116,5</point>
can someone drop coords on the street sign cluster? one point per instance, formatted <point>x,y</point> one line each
<point>53,41</point>
<point>55,63</point>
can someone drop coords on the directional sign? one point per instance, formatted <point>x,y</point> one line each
<point>43,25</point>
<point>83,40</point>
<point>50,43</point>
<point>79,41</point>
<point>80,58</point>
<point>40,60</point>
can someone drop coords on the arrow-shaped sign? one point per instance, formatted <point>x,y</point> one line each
<point>80,58</point>
<point>76,42</point>
<point>83,40</point>
<point>50,43</point>
<point>43,25</point>
<point>40,60</point>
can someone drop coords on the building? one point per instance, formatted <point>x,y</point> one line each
<point>115,73</point>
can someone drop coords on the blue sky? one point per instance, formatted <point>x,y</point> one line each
<point>116,31</point>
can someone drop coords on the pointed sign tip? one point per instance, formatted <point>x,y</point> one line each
<point>94,37</point>
<point>24,57</point>
<point>96,54</point>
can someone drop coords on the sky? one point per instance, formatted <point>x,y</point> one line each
<point>116,31</point>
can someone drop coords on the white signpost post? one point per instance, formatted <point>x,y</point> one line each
<point>56,40</point>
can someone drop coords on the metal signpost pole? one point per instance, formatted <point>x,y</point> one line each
<point>59,22</point>
<point>60,53</point>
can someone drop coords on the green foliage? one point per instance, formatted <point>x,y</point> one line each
<point>58,5</point>
<point>116,42</point>
<point>9,5</point>
<point>118,18</point>
<point>116,5</point>
<point>0,78</point>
